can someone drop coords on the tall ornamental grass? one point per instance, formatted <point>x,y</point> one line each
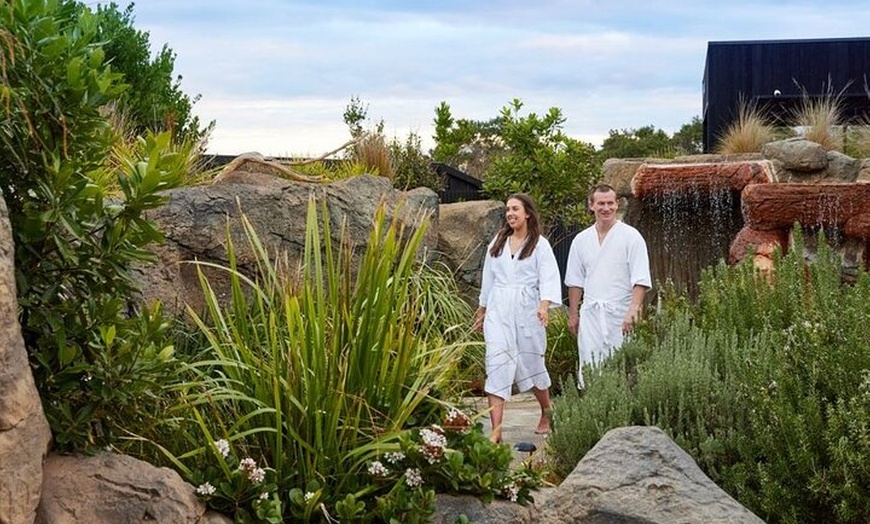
<point>765,381</point>
<point>317,368</point>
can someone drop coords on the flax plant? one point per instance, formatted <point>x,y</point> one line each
<point>317,369</point>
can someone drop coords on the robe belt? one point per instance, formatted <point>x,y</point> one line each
<point>600,308</point>
<point>529,293</point>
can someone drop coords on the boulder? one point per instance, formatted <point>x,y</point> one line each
<point>195,221</point>
<point>448,508</point>
<point>638,475</point>
<point>618,173</point>
<point>864,171</point>
<point>761,243</point>
<point>108,488</point>
<point>780,206</point>
<point>658,180</point>
<point>841,168</point>
<point>634,475</point>
<point>465,229</point>
<point>24,431</point>
<point>797,155</point>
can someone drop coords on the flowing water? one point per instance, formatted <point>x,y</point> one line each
<point>686,231</point>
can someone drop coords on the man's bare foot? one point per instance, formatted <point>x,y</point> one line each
<point>543,426</point>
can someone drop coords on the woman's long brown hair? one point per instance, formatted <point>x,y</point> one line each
<point>533,226</point>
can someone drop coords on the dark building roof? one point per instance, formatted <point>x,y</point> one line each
<point>777,74</point>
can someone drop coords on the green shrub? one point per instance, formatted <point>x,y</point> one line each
<point>315,372</point>
<point>763,381</point>
<point>96,366</point>
<point>562,354</point>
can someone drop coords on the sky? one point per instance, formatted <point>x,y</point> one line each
<point>277,75</point>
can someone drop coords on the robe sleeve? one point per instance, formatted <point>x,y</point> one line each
<point>638,263</point>
<point>549,283</point>
<point>487,276</point>
<point>574,272</point>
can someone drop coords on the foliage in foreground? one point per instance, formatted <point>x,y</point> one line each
<point>315,373</point>
<point>97,367</point>
<point>765,383</point>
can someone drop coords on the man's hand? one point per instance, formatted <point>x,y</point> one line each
<point>574,323</point>
<point>631,318</point>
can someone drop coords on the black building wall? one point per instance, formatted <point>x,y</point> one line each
<point>756,70</point>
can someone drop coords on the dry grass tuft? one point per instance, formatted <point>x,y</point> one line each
<point>747,133</point>
<point>372,151</point>
<point>820,119</point>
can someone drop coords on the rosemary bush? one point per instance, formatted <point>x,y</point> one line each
<point>765,381</point>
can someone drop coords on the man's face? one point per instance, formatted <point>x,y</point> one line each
<point>604,206</point>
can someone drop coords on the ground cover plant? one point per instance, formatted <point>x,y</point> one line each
<point>324,390</point>
<point>764,381</point>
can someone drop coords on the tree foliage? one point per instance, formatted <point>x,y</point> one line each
<point>154,100</point>
<point>74,246</point>
<point>647,141</point>
<point>534,156</point>
<point>635,143</point>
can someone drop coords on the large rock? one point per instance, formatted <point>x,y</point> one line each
<point>465,229</point>
<point>638,475</point>
<point>797,155</point>
<point>196,219</point>
<point>109,488</point>
<point>24,431</point>
<point>661,180</point>
<point>780,206</point>
<point>634,475</point>
<point>762,244</point>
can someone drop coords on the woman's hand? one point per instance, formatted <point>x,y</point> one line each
<point>544,312</point>
<point>477,323</point>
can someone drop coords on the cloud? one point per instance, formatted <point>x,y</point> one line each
<point>276,75</point>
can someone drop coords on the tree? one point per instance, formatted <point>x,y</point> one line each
<point>689,140</point>
<point>74,245</point>
<point>154,99</point>
<point>539,159</point>
<point>634,143</point>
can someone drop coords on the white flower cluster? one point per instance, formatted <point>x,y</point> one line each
<point>457,421</point>
<point>223,447</point>
<point>413,478</point>
<point>308,496</point>
<point>205,489</point>
<point>254,474</point>
<point>394,457</point>
<point>434,443</point>
<point>511,491</point>
<point>377,469</point>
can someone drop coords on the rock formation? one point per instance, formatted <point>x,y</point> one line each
<point>196,220</point>
<point>634,475</point>
<point>24,432</point>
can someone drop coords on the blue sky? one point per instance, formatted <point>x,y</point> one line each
<point>276,75</point>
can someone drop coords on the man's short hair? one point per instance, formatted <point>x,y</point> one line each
<point>600,188</point>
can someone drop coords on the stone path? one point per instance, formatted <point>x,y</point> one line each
<point>521,416</point>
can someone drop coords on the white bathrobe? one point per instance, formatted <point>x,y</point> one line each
<point>607,272</point>
<point>511,291</point>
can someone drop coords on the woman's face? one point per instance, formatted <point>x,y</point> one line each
<point>515,214</point>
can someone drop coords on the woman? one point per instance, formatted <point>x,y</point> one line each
<point>520,284</point>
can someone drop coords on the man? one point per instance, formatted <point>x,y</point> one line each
<point>608,273</point>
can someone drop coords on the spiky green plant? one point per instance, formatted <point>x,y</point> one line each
<point>315,369</point>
